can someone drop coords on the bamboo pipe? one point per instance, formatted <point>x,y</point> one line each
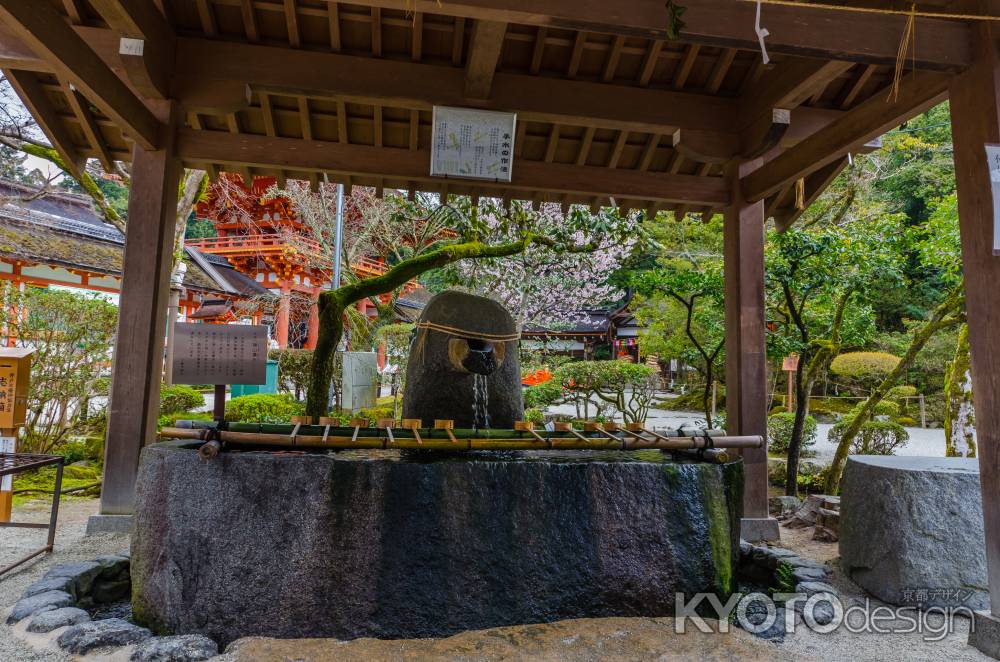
<point>577,442</point>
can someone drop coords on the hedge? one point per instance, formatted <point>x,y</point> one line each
<point>179,398</point>
<point>264,408</point>
<point>779,433</point>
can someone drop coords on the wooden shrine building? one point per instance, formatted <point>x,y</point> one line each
<point>615,104</point>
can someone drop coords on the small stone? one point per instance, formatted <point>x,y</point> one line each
<point>65,584</point>
<point>180,648</point>
<point>783,506</point>
<point>776,555</point>
<point>85,637</point>
<point>811,588</point>
<point>808,575</point>
<point>46,601</point>
<point>83,574</point>
<point>114,591</point>
<point>113,567</point>
<point>746,549</point>
<point>822,610</point>
<point>47,621</point>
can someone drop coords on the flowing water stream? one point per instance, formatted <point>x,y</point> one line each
<point>480,402</point>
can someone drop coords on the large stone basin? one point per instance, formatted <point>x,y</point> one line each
<point>376,544</point>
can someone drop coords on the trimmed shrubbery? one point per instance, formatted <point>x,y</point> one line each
<point>264,408</point>
<point>779,433</point>
<point>179,398</point>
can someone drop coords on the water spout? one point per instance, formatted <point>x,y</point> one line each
<point>480,402</point>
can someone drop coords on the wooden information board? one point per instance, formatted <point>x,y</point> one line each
<point>220,354</point>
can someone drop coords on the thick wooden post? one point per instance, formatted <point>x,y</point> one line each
<point>282,318</point>
<point>975,118</point>
<point>142,318</point>
<point>746,362</point>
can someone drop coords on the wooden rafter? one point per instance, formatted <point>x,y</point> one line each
<point>35,99</point>
<point>376,32</point>
<point>649,62</point>
<point>265,109</point>
<point>81,108</point>
<point>722,65</point>
<point>206,14</point>
<point>786,86</point>
<point>40,26</point>
<point>249,15</point>
<point>292,24</point>
<point>416,47</point>
<point>538,51</point>
<point>574,59</point>
<point>333,21</point>
<point>857,85</point>
<point>585,143</point>
<point>305,118</point>
<point>485,50</point>
<point>614,54</point>
<point>147,46</point>
<point>458,41</point>
<point>687,63</point>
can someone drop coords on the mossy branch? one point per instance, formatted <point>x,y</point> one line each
<point>332,304</point>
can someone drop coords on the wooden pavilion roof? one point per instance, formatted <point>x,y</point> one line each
<point>608,106</point>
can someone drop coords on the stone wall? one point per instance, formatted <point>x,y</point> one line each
<point>371,544</point>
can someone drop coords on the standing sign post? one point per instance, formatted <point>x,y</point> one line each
<point>15,375</point>
<point>220,354</point>
<point>790,364</point>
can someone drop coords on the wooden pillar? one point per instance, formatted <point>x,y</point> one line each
<point>142,316</point>
<point>746,362</point>
<point>975,118</point>
<point>281,322</point>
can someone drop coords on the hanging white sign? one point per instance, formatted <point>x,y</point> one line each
<point>993,164</point>
<point>476,144</point>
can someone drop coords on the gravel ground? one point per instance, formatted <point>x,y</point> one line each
<point>852,647</point>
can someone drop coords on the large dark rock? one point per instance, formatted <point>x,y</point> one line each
<point>911,530</point>
<point>374,544</point>
<point>451,353</point>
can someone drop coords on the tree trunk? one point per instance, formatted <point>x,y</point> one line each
<point>795,443</point>
<point>959,415</point>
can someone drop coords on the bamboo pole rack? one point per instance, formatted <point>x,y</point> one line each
<point>442,437</point>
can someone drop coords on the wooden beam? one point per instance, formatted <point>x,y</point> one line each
<point>142,315</point>
<point>746,357</point>
<point>81,108</point>
<point>800,31</point>
<point>147,43</point>
<point>585,143</point>
<point>223,76</point>
<point>579,42</point>
<point>40,26</point>
<point>34,98</point>
<point>867,121</point>
<point>722,66</point>
<point>15,54</point>
<point>403,164</point>
<point>975,122</point>
<point>485,50</point>
<point>305,118</point>
<point>787,86</point>
<point>458,41</point>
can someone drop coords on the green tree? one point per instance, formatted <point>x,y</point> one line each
<point>813,275</point>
